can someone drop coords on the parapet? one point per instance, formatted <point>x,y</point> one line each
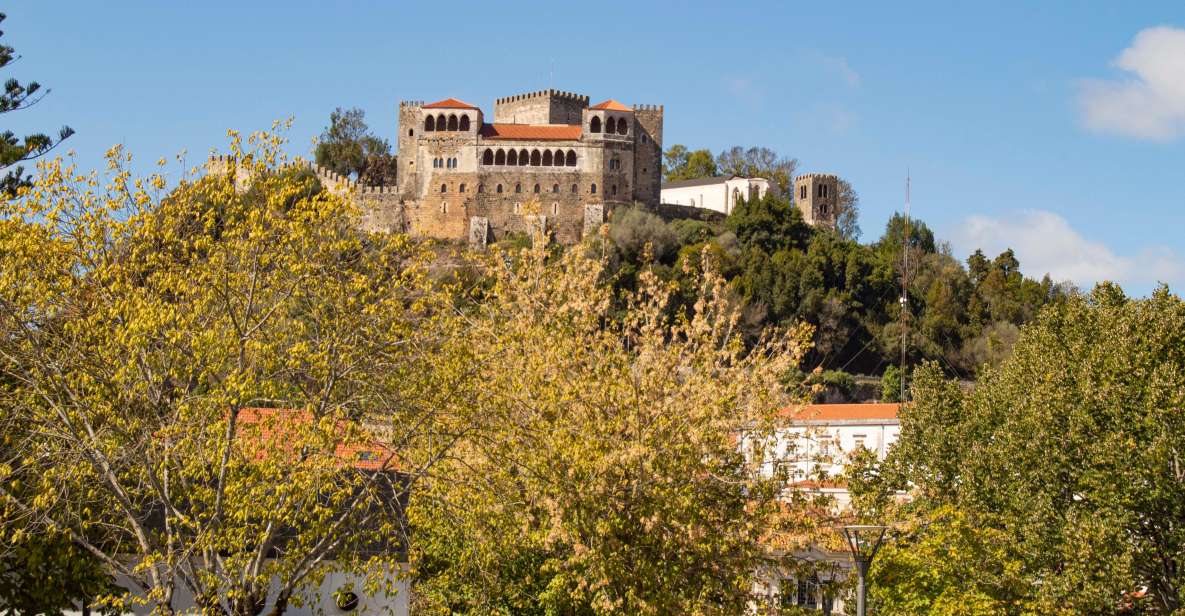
<point>411,104</point>
<point>817,176</point>
<point>657,108</point>
<point>549,93</point>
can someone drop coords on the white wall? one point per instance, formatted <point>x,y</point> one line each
<point>721,197</point>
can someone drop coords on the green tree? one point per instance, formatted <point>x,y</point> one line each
<point>847,223</point>
<point>679,163</point>
<point>348,147</point>
<point>759,162</point>
<point>1067,455</point>
<point>13,149</point>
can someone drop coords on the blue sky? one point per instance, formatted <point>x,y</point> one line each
<point>1056,128</point>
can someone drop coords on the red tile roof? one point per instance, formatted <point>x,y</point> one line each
<point>842,412</point>
<point>450,103</point>
<point>611,105</point>
<point>546,132</point>
<point>276,427</point>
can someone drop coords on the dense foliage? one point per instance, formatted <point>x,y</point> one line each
<point>1056,486</point>
<point>348,147</point>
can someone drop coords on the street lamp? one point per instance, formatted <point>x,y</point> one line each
<point>863,541</point>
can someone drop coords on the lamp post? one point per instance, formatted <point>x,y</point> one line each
<point>863,541</point>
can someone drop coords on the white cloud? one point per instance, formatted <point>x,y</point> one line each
<point>1148,104</point>
<point>1045,242</point>
<point>838,65</point>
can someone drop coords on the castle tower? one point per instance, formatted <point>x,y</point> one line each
<point>542,107</point>
<point>648,154</point>
<point>817,197</point>
<point>407,132</point>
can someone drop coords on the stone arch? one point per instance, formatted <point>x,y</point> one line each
<point>512,158</point>
<point>559,158</point>
<point>524,157</point>
<point>611,125</point>
<point>535,158</point>
<point>555,188</point>
<point>518,188</point>
<point>571,158</point>
<point>575,188</point>
<point>500,157</point>
<point>593,189</point>
<point>594,125</point>
<point>623,127</point>
<point>410,132</point>
<point>429,124</point>
<point>536,189</point>
<point>441,122</point>
<point>481,188</point>
<point>547,158</point>
<point>452,122</point>
<point>464,125</point>
<point>498,189</point>
<point>461,188</point>
<point>487,157</point>
<point>444,188</point>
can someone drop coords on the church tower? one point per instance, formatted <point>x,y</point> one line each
<point>817,197</point>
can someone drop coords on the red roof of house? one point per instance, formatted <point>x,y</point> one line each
<point>547,132</point>
<point>450,103</point>
<point>611,105</point>
<point>842,412</point>
<point>280,426</point>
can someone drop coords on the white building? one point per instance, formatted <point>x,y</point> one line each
<point>719,193</point>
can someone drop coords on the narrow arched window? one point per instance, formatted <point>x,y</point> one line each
<point>441,122</point>
<point>555,208</point>
<point>555,188</point>
<point>500,157</point>
<point>464,122</point>
<point>622,127</point>
<point>613,189</point>
<point>410,132</point>
<point>461,188</point>
<point>487,157</point>
<point>429,124</point>
<point>443,188</point>
<point>536,189</point>
<point>559,158</point>
<point>452,122</point>
<point>518,188</point>
<point>594,126</point>
<point>611,126</point>
<point>481,188</point>
<point>512,158</point>
<point>498,189</point>
<point>571,158</point>
<point>535,159</point>
<point>547,158</point>
<point>575,189</point>
<point>593,189</point>
<point>523,157</point>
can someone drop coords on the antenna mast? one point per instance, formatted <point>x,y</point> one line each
<point>905,285</point>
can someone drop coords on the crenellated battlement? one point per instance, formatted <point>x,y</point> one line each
<point>819,176</point>
<point>648,108</point>
<point>411,104</point>
<point>549,93</point>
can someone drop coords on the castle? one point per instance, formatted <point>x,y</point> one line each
<point>460,177</point>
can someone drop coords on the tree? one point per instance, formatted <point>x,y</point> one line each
<point>1083,420</point>
<point>348,147</point>
<point>13,149</point>
<point>847,223</point>
<point>683,164</point>
<point>215,300</point>
<point>606,477</point>
<point>759,162</point>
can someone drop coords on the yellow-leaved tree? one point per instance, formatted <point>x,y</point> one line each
<point>141,330</point>
<point>600,471</point>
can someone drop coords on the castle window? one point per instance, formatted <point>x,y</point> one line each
<point>518,188</point>
<point>443,188</point>
<point>500,157</point>
<point>429,124</point>
<point>595,125</point>
<point>535,159</point>
<point>523,158</point>
<point>555,188</point>
<point>487,157</point>
<point>498,189</point>
<point>571,158</point>
<point>461,188</point>
<point>536,189</point>
<point>623,127</point>
<point>512,158</point>
<point>819,191</point>
<point>452,122</point>
<point>593,189</point>
<point>802,192</point>
<point>822,209</point>
<point>410,132</point>
<point>441,122</point>
<point>555,208</point>
<point>611,126</point>
<point>645,139</point>
<point>481,188</point>
<point>547,158</point>
<point>454,163</point>
<point>559,158</point>
<point>575,189</point>
<point>613,189</point>
<point>464,122</point>
<point>444,208</point>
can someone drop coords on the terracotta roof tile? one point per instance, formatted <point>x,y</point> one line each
<point>842,412</point>
<point>278,427</point>
<point>545,132</point>
<point>611,105</point>
<point>450,103</point>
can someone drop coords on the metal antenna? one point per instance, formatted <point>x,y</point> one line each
<point>905,285</point>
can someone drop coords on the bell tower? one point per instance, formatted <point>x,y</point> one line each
<point>817,197</point>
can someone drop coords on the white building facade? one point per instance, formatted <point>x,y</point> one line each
<point>720,194</point>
